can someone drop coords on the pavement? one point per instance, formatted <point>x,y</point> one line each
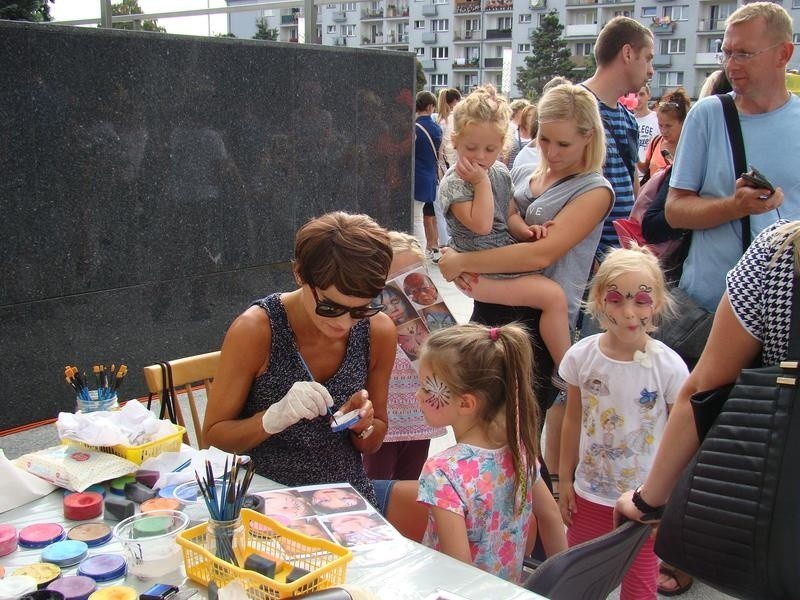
<point>460,305</point>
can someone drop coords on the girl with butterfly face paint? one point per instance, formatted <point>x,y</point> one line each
<point>480,492</point>
<point>625,382</point>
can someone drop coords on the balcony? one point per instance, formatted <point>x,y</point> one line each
<point>662,26</point>
<point>581,2</point>
<point>372,41</point>
<point>429,10</point>
<point>288,19</point>
<point>468,7</point>
<point>428,65</point>
<point>339,16</point>
<point>585,30</point>
<point>711,26</point>
<point>498,34</point>
<point>466,36</point>
<point>340,41</point>
<point>429,37</point>
<point>706,58</point>
<point>662,61</point>
<point>499,5</point>
<point>493,63</point>
<point>466,63</point>
<point>394,11</point>
<point>371,14</point>
<point>397,39</point>
<point>538,4</point>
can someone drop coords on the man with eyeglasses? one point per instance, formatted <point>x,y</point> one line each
<point>706,195</point>
<point>624,55</point>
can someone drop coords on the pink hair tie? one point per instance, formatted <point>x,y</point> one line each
<point>493,334</point>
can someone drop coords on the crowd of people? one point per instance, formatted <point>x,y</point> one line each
<point>528,220</point>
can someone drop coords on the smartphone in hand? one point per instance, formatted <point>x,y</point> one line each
<point>754,179</point>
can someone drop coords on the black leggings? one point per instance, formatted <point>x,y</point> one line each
<point>427,209</point>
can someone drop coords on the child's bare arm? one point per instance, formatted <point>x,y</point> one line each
<point>477,215</point>
<point>452,530</point>
<point>570,443</point>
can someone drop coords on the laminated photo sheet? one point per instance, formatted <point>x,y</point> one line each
<point>414,303</point>
<point>333,511</point>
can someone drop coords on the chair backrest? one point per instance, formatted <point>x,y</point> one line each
<point>186,374</point>
<point>590,570</point>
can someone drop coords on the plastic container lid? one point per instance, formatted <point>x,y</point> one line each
<point>344,421</point>
<point>103,567</point>
<point>160,504</point>
<point>40,535</point>
<point>16,585</point>
<point>168,491</point>
<point>43,573</point>
<point>96,488</point>
<point>74,587</point>
<point>65,553</point>
<point>43,595</point>
<point>93,534</point>
<point>8,539</point>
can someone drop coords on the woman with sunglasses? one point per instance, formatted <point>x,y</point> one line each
<point>293,359</point>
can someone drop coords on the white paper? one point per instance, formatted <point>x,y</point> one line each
<point>19,487</point>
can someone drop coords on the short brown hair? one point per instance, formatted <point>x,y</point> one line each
<point>350,252</point>
<point>618,32</point>
<point>424,100</point>
<point>777,22</point>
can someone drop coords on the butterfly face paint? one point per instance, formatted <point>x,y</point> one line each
<point>628,308</point>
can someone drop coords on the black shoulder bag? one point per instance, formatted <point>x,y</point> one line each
<point>733,519</point>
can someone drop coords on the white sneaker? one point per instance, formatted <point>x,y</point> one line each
<point>435,255</point>
<point>429,253</point>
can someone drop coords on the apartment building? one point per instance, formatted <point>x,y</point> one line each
<point>465,43</point>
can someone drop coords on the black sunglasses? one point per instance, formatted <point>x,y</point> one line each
<point>331,310</point>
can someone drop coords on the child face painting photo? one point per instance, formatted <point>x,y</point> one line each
<point>397,307</point>
<point>358,529</point>
<point>336,499</point>
<point>411,336</point>
<point>420,288</point>
<point>286,504</point>
<point>438,317</point>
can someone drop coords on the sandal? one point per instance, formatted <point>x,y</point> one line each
<point>683,581</point>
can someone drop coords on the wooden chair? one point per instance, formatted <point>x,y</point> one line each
<point>590,570</point>
<point>186,373</point>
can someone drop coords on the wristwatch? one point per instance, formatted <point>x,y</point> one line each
<point>649,513</point>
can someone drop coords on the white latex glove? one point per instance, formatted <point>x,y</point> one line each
<point>304,400</point>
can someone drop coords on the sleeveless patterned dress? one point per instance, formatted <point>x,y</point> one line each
<point>308,452</point>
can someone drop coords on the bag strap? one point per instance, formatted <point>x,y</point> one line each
<point>430,139</point>
<point>627,157</point>
<point>736,139</point>
<point>793,352</point>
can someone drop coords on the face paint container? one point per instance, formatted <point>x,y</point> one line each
<point>74,587</point>
<point>8,539</point>
<point>40,535</point>
<point>65,553</point>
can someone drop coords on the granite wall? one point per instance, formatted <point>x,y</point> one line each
<point>152,184</point>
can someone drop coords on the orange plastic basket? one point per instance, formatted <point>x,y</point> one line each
<point>325,561</point>
<point>138,454</point>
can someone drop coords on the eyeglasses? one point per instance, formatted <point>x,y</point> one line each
<point>741,57</point>
<point>328,309</point>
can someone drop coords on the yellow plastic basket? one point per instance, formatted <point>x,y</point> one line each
<point>138,454</point>
<point>325,561</point>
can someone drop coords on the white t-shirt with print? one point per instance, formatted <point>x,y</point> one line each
<point>648,129</point>
<point>623,414</point>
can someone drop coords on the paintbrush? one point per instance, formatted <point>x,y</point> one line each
<point>311,375</point>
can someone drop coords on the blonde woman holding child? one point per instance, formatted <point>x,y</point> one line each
<point>480,492</point>
<point>622,384</point>
<point>476,200</point>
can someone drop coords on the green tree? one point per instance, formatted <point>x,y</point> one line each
<point>421,79</point>
<point>549,57</point>
<point>263,32</point>
<point>131,7</point>
<point>25,10</point>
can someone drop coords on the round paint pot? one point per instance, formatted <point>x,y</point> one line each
<point>44,573</point>
<point>83,506</point>
<point>16,585</point>
<point>40,535</point>
<point>65,553</point>
<point>103,567</point>
<point>74,587</point>
<point>254,502</point>
<point>340,421</point>
<point>168,491</point>
<point>118,485</point>
<point>93,534</point>
<point>115,592</point>
<point>43,595</point>
<point>8,539</point>
<point>160,504</point>
<point>96,488</point>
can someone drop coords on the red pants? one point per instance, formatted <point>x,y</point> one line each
<point>593,520</point>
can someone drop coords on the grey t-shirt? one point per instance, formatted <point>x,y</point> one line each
<point>571,271</point>
<point>453,189</point>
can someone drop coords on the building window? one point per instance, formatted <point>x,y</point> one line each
<point>670,79</point>
<point>796,36</point>
<point>440,52</point>
<point>648,12</point>
<point>795,3</point>
<point>677,13</point>
<point>525,18</point>
<point>419,51</point>
<point>349,6</point>
<point>676,46</point>
<point>440,25</point>
<point>348,30</point>
<point>440,1</point>
<point>438,79</point>
<point>472,25</point>
<point>584,48</point>
<point>524,48</point>
<point>331,29</point>
<point>419,24</point>
<point>504,23</point>
<point>333,6</point>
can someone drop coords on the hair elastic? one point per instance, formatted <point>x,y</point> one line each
<point>493,334</point>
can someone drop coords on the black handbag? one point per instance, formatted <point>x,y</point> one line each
<point>733,519</point>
